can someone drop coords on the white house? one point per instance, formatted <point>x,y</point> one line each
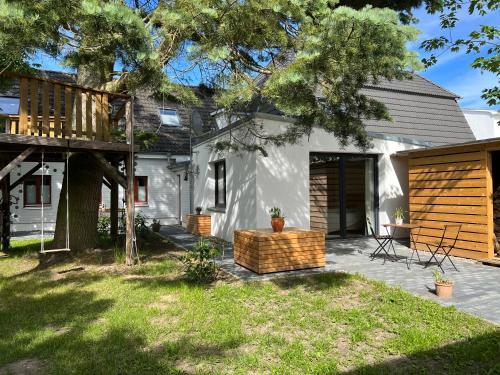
<point>484,123</point>
<point>317,183</point>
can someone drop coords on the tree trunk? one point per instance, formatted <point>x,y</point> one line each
<point>85,184</point>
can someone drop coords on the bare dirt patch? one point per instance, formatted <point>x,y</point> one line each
<point>28,366</point>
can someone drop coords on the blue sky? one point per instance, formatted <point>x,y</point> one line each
<point>452,71</point>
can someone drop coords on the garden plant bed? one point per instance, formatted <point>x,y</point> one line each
<point>199,224</point>
<point>264,251</point>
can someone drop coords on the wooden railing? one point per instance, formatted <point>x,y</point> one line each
<point>59,110</point>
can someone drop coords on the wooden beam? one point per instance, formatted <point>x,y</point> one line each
<point>68,112</point>
<point>109,170</point>
<point>19,159</point>
<point>23,106</point>
<point>129,192</point>
<point>34,108</point>
<point>21,179</point>
<point>113,214</point>
<point>5,213</point>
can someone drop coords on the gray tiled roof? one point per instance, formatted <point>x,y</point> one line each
<point>420,109</point>
<point>172,139</point>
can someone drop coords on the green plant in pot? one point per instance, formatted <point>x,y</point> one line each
<point>198,210</point>
<point>399,215</point>
<point>277,219</point>
<point>444,286</point>
<point>156,225</point>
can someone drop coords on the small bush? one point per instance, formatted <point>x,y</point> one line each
<point>103,225</point>
<point>199,263</point>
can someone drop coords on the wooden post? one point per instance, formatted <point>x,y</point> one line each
<point>5,212</point>
<point>114,209</point>
<point>129,192</point>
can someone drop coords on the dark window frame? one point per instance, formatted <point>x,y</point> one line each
<point>136,190</point>
<point>37,179</point>
<point>216,167</point>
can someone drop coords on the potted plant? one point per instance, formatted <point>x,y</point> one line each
<point>156,225</point>
<point>277,219</point>
<point>444,286</point>
<point>198,210</point>
<point>399,215</point>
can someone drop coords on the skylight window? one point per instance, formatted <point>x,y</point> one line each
<point>169,117</point>
<point>9,105</point>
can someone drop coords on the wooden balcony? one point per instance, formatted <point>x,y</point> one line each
<point>58,110</point>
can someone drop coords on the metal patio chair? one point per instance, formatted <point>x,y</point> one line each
<point>446,244</point>
<point>383,241</point>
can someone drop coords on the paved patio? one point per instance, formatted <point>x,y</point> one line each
<point>477,286</point>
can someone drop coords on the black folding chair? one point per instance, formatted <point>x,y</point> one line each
<point>446,245</point>
<point>413,245</point>
<point>382,240</point>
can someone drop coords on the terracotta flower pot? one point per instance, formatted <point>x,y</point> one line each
<point>444,290</point>
<point>198,211</point>
<point>277,223</point>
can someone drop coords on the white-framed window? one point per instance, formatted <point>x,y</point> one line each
<point>9,105</point>
<point>169,117</point>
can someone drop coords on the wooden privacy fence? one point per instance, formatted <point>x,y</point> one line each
<point>60,110</point>
<point>453,185</point>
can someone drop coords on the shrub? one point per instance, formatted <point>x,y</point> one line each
<point>119,255</point>
<point>103,225</point>
<point>199,263</point>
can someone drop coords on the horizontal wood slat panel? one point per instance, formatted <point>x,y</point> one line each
<point>449,209</point>
<point>199,224</point>
<point>441,159</point>
<point>452,218</point>
<point>452,167</point>
<point>464,201</point>
<point>458,192</point>
<point>465,253</point>
<point>475,182</point>
<point>472,228</point>
<point>264,251</point>
<point>435,176</point>
<point>464,236</point>
<point>469,245</point>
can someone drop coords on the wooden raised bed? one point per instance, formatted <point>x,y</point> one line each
<point>199,224</point>
<point>263,251</point>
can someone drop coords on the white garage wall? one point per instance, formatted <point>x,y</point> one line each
<point>282,179</point>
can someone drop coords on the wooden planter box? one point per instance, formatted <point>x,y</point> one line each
<point>263,251</point>
<point>199,224</point>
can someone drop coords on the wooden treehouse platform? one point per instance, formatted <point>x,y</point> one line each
<point>55,118</point>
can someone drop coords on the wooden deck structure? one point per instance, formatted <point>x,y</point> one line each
<point>55,118</point>
<point>454,184</point>
<point>263,251</point>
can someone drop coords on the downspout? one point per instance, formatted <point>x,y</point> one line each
<point>179,195</point>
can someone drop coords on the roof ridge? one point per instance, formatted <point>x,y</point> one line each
<point>435,84</point>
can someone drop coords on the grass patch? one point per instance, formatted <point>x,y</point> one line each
<point>27,247</point>
<point>148,319</point>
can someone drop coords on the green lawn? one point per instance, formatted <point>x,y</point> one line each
<point>109,319</point>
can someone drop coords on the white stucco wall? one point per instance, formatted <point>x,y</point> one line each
<point>483,123</point>
<point>256,183</point>
<point>163,194</point>
<point>163,190</point>
<point>241,190</point>
<point>29,218</point>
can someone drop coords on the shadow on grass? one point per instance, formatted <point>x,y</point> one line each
<point>477,355</point>
<point>320,281</point>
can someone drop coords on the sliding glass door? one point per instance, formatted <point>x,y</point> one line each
<point>343,193</point>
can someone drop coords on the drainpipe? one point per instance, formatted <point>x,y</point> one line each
<point>179,208</point>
